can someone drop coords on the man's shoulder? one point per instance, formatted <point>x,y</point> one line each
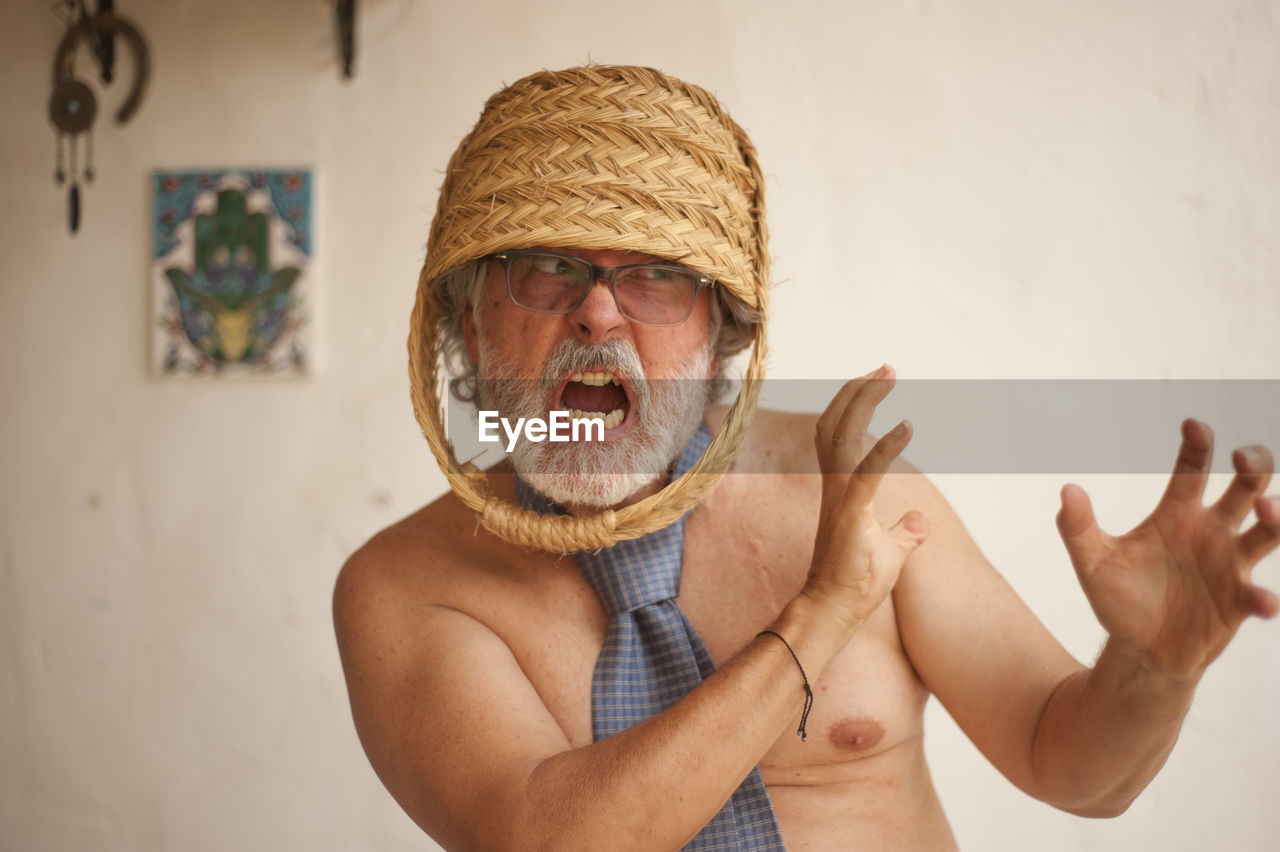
<point>777,442</point>
<point>782,442</point>
<point>413,560</point>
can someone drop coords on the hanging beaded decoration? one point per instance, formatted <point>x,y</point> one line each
<point>72,110</point>
<point>73,106</point>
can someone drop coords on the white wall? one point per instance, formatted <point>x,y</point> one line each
<point>986,189</point>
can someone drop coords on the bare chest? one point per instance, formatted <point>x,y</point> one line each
<point>743,561</point>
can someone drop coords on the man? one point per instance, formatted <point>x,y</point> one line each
<point>599,248</point>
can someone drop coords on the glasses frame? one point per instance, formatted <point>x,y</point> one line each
<point>600,273</point>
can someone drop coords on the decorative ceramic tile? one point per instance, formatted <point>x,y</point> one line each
<point>231,273</point>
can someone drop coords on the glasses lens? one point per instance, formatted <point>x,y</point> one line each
<point>657,295</point>
<point>547,282</point>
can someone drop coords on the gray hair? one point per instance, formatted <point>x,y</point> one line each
<point>731,323</point>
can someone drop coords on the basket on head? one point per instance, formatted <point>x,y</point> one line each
<point>598,157</point>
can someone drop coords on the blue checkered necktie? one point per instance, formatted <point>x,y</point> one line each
<point>652,656</point>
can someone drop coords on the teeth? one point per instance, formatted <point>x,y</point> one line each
<point>596,379</point>
<point>612,419</point>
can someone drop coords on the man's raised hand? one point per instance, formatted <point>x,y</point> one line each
<point>856,560</point>
<point>1175,589</point>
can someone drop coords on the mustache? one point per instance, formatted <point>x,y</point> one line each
<point>573,356</point>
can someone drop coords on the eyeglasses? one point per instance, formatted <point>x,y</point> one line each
<point>647,293</point>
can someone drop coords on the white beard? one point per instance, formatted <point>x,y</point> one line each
<point>599,474</point>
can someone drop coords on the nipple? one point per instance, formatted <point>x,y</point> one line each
<point>854,734</point>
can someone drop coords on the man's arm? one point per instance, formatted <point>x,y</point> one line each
<point>1170,594</point>
<point>461,738</point>
<point>465,744</point>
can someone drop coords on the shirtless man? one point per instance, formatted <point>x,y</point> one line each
<point>469,660</point>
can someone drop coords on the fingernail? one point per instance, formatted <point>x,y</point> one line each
<point>882,372</point>
<point>1256,456</point>
<point>901,429</point>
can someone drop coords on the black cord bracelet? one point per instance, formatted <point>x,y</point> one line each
<point>808,690</point>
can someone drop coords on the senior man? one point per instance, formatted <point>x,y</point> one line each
<point>599,249</point>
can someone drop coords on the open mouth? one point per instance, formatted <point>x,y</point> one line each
<point>596,394</point>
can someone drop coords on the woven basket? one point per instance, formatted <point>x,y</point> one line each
<point>599,157</point>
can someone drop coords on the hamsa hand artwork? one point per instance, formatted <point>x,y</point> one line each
<point>231,257</point>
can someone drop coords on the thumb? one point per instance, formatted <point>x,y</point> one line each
<point>1086,543</point>
<point>909,532</point>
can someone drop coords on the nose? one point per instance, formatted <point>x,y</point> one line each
<point>597,319</point>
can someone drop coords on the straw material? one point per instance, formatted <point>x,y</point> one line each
<point>599,157</point>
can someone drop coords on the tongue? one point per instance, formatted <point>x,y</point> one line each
<point>603,398</point>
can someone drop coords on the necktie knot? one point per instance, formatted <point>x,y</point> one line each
<point>638,572</point>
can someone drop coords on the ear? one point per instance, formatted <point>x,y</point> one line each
<point>470,336</point>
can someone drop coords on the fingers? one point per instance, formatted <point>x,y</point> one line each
<point>1253,472</point>
<point>1255,600</point>
<point>838,437</point>
<point>846,441</point>
<point>822,436</point>
<point>1261,538</point>
<point>1191,470</point>
<point>875,464</point>
<point>1085,541</point>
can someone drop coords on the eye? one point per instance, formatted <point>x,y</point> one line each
<point>549,264</point>
<point>657,274</point>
